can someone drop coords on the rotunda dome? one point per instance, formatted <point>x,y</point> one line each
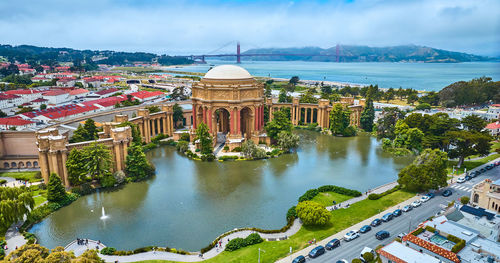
<point>225,72</point>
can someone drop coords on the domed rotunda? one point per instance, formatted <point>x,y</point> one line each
<point>231,103</point>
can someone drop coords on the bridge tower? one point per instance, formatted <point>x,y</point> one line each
<point>238,56</point>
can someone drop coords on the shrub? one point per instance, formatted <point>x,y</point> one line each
<point>458,246</point>
<point>417,232</point>
<point>149,146</point>
<point>3,181</point>
<point>207,157</point>
<point>374,196</point>
<point>238,242</point>
<point>308,195</point>
<point>236,149</point>
<point>292,213</point>
<point>168,142</point>
<point>185,137</point>
<point>108,181</point>
<point>83,189</point>
<point>453,239</point>
<point>197,150</point>
<point>312,213</point>
<point>227,157</point>
<point>226,148</point>
<point>368,256</point>
<point>182,146</point>
<point>464,200</point>
<point>423,106</point>
<point>108,251</point>
<point>339,190</point>
<point>356,260</point>
<point>430,229</point>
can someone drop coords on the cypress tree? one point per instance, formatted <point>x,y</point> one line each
<point>56,192</point>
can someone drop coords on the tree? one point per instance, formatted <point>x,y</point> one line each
<point>368,256</point>
<point>75,164</point>
<point>473,92</point>
<point>29,253</point>
<point>153,109</point>
<point>280,122</point>
<point>11,69</point>
<point>312,213</point>
<point>308,97</point>
<point>177,114</point>
<point>288,141</point>
<point>60,256</point>
<point>55,189</point>
<point>467,143</point>
<point>137,165</point>
<point>412,98</point>
<point>250,150</point>
<point>464,200</point>
<point>294,80</point>
<point>14,204</point>
<point>91,129</point>
<point>89,256</point>
<point>136,134</point>
<point>284,97</point>
<point>98,160</point>
<point>205,139</point>
<point>408,138</point>
<point>339,120</point>
<point>428,171</point>
<point>386,124</point>
<point>474,123</point>
<point>367,116</point>
<point>423,106</point>
<point>3,114</point>
<point>43,106</point>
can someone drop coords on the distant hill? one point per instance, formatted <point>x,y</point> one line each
<point>49,56</point>
<point>407,53</point>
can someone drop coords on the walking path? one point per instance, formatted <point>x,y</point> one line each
<point>13,238</point>
<point>12,182</point>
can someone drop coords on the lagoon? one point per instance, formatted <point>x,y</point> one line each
<point>189,203</point>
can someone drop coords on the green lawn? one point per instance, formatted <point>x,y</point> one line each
<point>30,176</point>
<point>341,219</point>
<point>470,164</point>
<point>327,198</point>
<point>39,200</point>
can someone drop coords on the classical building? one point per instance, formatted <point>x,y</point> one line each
<point>486,194</point>
<point>18,150</point>
<point>231,103</point>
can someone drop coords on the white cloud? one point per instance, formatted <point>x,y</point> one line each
<point>186,27</point>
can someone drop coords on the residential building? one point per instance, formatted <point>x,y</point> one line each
<point>493,128</point>
<point>9,101</point>
<point>486,195</point>
<point>66,82</point>
<point>77,93</point>
<point>27,95</point>
<point>59,113</point>
<point>145,95</point>
<point>56,96</point>
<point>16,123</point>
<point>107,92</point>
<point>397,252</point>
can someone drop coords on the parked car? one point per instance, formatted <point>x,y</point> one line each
<point>467,178</point>
<point>397,212</point>
<point>416,203</point>
<point>387,217</point>
<point>365,229</point>
<point>365,250</point>
<point>382,235</point>
<point>430,195</point>
<point>473,174</point>
<point>376,222</point>
<point>490,166</point>
<point>342,261</point>
<point>483,170</point>
<point>317,251</point>
<point>401,235</point>
<point>497,163</point>
<point>332,244</point>
<point>351,235</point>
<point>299,259</point>
<point>447,193</point>
<point>407,208</point>
<point>461,180</point>
<point>424,199</point>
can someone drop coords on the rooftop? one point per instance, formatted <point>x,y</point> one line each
<point>442,224</point>
<point>226,72</point>
<point>479,250</point>
<point>398,252</point>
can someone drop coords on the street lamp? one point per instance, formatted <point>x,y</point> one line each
<point>259,253</point>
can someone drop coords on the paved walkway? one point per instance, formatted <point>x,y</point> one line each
<point>14,238</point>
<point>12,182</point>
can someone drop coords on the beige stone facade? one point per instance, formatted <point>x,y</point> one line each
<point>486,194</point>
<point>18,150</point>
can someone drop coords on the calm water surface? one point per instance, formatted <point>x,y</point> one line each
<point>420,76</point>
<point>189,203</point>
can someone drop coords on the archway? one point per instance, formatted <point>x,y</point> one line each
<point>21,165</point>
<point>6,165</point>
<point>35,164</point>
<point>246,120</point>
<point>28,164</point>
<point>476,198</point>
<point>223,127</point>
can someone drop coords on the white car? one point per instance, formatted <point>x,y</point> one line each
<point>461,180</point>
<point>424,199</point>
<point>351,235</point>
<point>416,203</point>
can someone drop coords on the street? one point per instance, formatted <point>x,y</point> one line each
<point>404,223</point>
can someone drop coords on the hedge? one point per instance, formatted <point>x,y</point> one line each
<point>108,251</point>
<point>228,157</point>
<point>418,232</point>
<point>453,239</point>
<point>430,229</point>
<point>239,242</point>
<point>374,196</point>
<point>3,181</point>
<point>291,213</point>
<point>310,194</point>
<point>458,246</point>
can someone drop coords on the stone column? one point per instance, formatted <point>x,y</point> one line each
<point>44,166</point>
<point>238,121</point>
<point>205,115</point>
<point>64,158</point>
<point>171,123</point>
<point>262,116</point>
<point>271,113</point>
<point>209,117</point>
<point>256,118</point>
<point>194,117</point>
<point>55,166</point>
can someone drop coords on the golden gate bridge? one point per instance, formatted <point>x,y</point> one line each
<point>238,55</point>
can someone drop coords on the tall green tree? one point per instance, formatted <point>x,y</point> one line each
<point>308,97</point>
<point>76,166</point>
<point>55,189</point>
<point>312,213</point>
<point>474,123</point>
<point>153,108</point>
<point>137,165</point>
<point>91,129</point>
<point>339,119</point>
<point>386,124</point>
<point>281,122</point>
<point>467,143</point>
<point>98,160</point>
<point>206,141</point>
<point>367,116</point>
<point>177,114</point>
<point>284,97</point>
<point>294,80</point>
<point>14,204</point>
<point>428,171</point>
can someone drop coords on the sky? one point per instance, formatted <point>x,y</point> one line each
<point>184,27</point>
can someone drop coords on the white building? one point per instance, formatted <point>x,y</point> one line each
<point>56,96</point>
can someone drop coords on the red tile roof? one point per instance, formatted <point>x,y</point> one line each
<point>40,100</point>
<point>4,96</point>
<point>493,125</point>
<point>22,91</point>
<point>106,102</point>
<point>14,121</point>
<point>143,94</point>
<point>431,247</point>
<point>78,91</point>
<point>54,92</point>
<point>389,256</point>
<point>61,111</point>
<point>107,91</point>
